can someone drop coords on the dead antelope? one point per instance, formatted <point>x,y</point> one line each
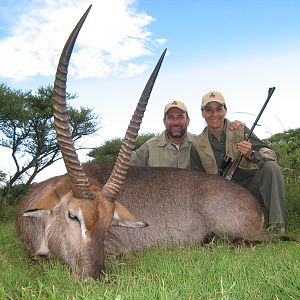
<point>180,206</point>
<point>69,216</point>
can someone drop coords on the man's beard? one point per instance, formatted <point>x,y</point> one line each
<point>176,134</point>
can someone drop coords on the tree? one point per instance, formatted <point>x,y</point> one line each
<point>108,152</point>
<point>26,127</point>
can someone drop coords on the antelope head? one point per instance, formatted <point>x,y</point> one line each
<point>78,211</point>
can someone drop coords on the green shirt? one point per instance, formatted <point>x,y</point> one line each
<point>213,151</point>
<point>159,152</point>
<point>218,146</point>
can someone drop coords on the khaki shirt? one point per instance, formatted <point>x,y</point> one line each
<point>159,152</point>
<point>207,158</point>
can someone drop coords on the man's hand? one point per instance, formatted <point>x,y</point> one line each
<point>245,147</point>
<point>236,124</point>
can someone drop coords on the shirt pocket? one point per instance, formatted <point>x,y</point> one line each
<point>208,164</point>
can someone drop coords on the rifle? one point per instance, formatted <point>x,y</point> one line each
<point>228,166</point>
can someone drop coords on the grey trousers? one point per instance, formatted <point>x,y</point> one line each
<point>267,185</point>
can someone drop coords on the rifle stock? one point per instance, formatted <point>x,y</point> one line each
<point>228,171</point>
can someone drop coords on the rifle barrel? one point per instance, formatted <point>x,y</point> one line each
<point>270,93</point>
<point>230,171</point>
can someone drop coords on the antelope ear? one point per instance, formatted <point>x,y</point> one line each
<point>36,213</point>
<point>122,217</point>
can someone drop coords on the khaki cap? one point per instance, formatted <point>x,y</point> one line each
<point>212,96</point>
<point>176,103</point>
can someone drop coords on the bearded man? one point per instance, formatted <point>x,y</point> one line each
<point>173,146</point>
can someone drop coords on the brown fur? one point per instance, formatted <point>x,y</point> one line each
<point>180,206</point>
<point>47,229</point>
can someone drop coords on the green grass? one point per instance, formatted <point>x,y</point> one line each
<point>215,271</point>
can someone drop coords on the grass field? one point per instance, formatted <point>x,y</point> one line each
<point>214,271</point>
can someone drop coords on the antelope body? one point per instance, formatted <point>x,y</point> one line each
<point>176,205</point>
<point>69,216</point>
<point>180,206</point>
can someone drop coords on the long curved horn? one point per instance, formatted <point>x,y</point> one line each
<point>118,175</point>
<point>80,183</point>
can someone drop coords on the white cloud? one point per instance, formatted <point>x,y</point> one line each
<point>114,33</point>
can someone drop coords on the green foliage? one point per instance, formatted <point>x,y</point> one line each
<point>26,127</point>
<point>108,152</point>
<point>287,147</point>
<point>7,212</point>
<point>2,178</point>
<point>292,203</point>
<point>14,194</point>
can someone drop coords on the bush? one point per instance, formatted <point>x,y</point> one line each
<point>14,194</point>
<point>287,147</point>
<point>7,212</point>
<point>292,188</point>
<point>109,151</point>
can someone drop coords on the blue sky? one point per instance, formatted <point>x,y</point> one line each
<point>240,48</point>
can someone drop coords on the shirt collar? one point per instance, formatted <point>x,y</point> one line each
<point>212,137</point>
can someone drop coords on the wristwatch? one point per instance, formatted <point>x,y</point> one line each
<point>254,157</point>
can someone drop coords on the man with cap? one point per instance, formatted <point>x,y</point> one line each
<point>258,170</point>
<point>172,147</point>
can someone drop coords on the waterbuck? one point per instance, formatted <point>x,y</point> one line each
<point>68,216</point>
<point>76,215</point>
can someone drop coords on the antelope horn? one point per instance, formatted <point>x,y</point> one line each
<point>118,175</point>
<point>80,183</point>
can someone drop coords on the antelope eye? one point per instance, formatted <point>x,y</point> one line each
<point>73,216</point>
